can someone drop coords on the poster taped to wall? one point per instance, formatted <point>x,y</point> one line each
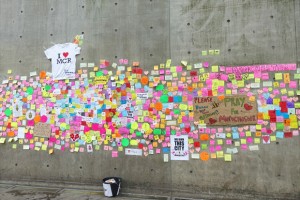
<point>225,110</point>
<point>179,147</point>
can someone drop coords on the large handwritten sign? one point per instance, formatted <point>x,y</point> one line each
<point>225,110</point>
<point>261,68</point>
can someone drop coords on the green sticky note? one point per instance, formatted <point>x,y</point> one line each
<point>125,142</point>
<point>7,112</point>
<point>296,76</point>
<point>279,126</point>
<point>176,111</point>
<point>138,133</point>
<point>164,98</point>
<point>204,53</point>
<point>47,87</point>
<point>203,146</point>
<point>29,90</point>
<point>159,87</point>
<point>99,73</point>
<point>217,52</point>
<point>157,131</point>
<point>173,132</point>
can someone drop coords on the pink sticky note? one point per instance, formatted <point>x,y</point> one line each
<point>28,136</point>
<point>114,154</point>
<point>158,151</point>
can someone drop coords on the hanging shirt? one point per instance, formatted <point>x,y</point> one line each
<point>63,59</point>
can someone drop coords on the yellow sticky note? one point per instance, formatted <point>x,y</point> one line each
<point>9,71</point>
<point>211,52</point>
<point>204,53</point>
<point>258,127</point>
<point>273,138</point>
<point>278,76</point>
<point>220,142</point>
<point>220,154</point>
<point>51,151</point>
<point>227,157</point>
<point>217,52</point>
<point>215,68</point>
<point>256,140</point>
<point>2,140</point>
<point>243,141</point>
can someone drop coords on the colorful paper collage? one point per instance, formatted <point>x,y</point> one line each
<point>119,106</point>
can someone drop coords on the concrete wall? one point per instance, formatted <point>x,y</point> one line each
<point>151,31</point>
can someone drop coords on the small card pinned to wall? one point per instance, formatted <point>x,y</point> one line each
<point>33,73</point>
<point>42,129</point>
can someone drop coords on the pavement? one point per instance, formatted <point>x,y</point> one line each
<point>10,191</point>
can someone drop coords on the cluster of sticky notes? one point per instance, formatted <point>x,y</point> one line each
<point>114,106</point>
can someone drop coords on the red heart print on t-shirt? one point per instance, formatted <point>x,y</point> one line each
<point>65,54</point>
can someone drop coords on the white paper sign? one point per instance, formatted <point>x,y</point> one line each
<point>133,152</point>
<point>179,147</point>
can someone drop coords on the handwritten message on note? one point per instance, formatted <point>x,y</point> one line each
<point>226,110</point>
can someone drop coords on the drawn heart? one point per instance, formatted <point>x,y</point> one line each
<point>266,138</point>
<point>65,54</point>
<point>192,150</point>
<point>213,136</point>
<point>198,149</point>
<point>145,136</point>
<point>191,145</point>
<point>246,128</point>
<point>265,123</point>
<point>187,129</point>
<point>159,141</point>
<point>146,72</point>
<point>145,148</point>
<point>240,129</point>
<point>272,96</point>
<point>147,142</point>
<point>247,106</point>
<point>163,82</point>
<point>227,129</point>
<point>183,73</point>
<point>189,81</point>
<point>295,99</point>
<point>110,148</point>
<point>212,121</point>
<point>146,153</point>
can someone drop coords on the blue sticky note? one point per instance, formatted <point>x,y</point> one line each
<point>166,150</point>
<point>279,134</point>
<point>235,135</point>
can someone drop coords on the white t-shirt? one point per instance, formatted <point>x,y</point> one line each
<point>63,59</point>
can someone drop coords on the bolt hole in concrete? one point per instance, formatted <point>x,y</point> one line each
<point>189,52</point>
<point>20,61</point>
<point>81,58</point>
<point>115,168</point>
<point>277,142</point>
<point>82,6</point>
<point>116,56</point>
<point>20,36</point>
<point>21,11</point>
<point>228,20</point>
<point>80,167</point>
<point>151,27</point>
<point>229,50</point>
<point>16,164</point>
<point>52,9</point>
<point>51,34</point>
<point>271,16</point>
<point>82,32</point>
<point>47,165</point>
<point>151,54</point>
<point>191,171</point>
<point>152,170</point>
<point>116,3</point>
<point>188,24</point>
<point>116,30</point>
<point>273,47</point>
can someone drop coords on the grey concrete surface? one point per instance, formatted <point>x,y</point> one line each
<point>151,31</point>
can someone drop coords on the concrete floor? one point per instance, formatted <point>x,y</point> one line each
<point>22,192</point>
